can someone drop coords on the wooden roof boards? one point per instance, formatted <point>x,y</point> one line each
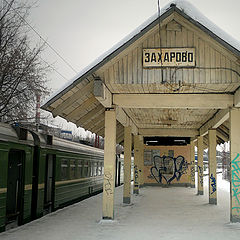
<point>202,90</point>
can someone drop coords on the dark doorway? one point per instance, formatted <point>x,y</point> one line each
<point>15,187</point>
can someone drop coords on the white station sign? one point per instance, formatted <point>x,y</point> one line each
<point>168,57</point>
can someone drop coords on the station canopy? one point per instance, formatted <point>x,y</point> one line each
<point>176,75</point>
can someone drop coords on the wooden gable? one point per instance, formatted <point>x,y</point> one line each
<point>217,68</point>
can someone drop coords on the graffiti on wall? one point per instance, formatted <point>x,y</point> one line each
<point>213,184</point>
<point>200,172</point>
<point>192,172</point>
<point>168,168</point>
<point>107,183</point>
<point>236,181</point>
<point>136,172</point>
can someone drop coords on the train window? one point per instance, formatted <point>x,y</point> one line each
<point>73,169</point>
<point>64,169</point>
<point>79,168</point>
<point>85,169</point>
<point>91,169</point>
<point>100,168</point>
<point>94,169</point>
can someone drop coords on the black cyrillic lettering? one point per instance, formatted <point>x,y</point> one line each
<point>172,55</point>
<point>190,57</point>
<point>147,57</point>
<point>153,58</point>
<point>166,57</point>
<point>184,56</point>
<point>178,57</point>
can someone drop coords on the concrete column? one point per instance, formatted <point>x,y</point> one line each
<point>200,164</point>
<point>235,164</point>
<point>127,165</point>
<point>137,156</point>
<point>141,161</point>
<point>192,165</point>
<point>212,164</point>
<point>109,164</point>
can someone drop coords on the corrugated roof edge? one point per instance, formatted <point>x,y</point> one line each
<point>184,8</point>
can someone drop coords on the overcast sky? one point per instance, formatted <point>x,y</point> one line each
<point>81,30</point>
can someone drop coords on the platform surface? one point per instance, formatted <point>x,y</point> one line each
<point>157,213</point>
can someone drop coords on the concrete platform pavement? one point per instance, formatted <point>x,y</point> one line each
<point>157,213</point>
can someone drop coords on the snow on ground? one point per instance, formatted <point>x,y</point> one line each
<point>161,213</point>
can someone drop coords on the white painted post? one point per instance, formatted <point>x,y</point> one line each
<point>212,163</point>
<point>137,156</point>
<point>235,165</point>
<point>109,164</point>
<point>192,166</point>
<point>141,161</point>
<point>200,164</point>
<point>127,165</point>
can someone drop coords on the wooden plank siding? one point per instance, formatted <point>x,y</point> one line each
<point>128,75</point>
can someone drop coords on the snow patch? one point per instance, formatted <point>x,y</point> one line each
<point>108,222</point>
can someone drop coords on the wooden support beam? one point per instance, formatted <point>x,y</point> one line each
<point>137,159</point>
<point>237,98</point>
<point>109,165</point>
<point>200,164</point>
<point>168,132</point>
<point>96,120</point>
<point>102,93</point>
<point>87,117</point>
<point>198,101</point>
<point>127,165</point>
<point>69,101</point>
<point>222,135</point>
<point>123,118</point>
<point>97,127</point>
<point>119,130</point>
<point>220,117</point>
<point>81,110</point>
<point>192,166</point>
<point>235,165</point>
<point>212,163</point>
<point>100,133</point>
<point>120,138</point>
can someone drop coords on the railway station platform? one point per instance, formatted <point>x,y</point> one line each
<point>156,213</point>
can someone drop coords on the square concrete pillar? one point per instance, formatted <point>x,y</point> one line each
<point>127,165</point>
<point>109,164</point>
<point>212,163</point>
<point>235,165</point>
<point>192,165</point>
<point>200,164</point>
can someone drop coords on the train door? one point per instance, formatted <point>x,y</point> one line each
<point>49,183</point>
<point>15,188</point>
<point>35,182</point>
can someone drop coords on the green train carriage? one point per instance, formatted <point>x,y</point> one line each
<point>78,172</point>
<point>16,165</point>
<point>41,173</point>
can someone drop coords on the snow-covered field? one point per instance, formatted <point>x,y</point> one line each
<point>157,213</point>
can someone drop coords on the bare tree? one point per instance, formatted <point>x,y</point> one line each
<point>22,72</point>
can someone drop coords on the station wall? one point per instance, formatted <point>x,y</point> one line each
<point>167,165</point>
